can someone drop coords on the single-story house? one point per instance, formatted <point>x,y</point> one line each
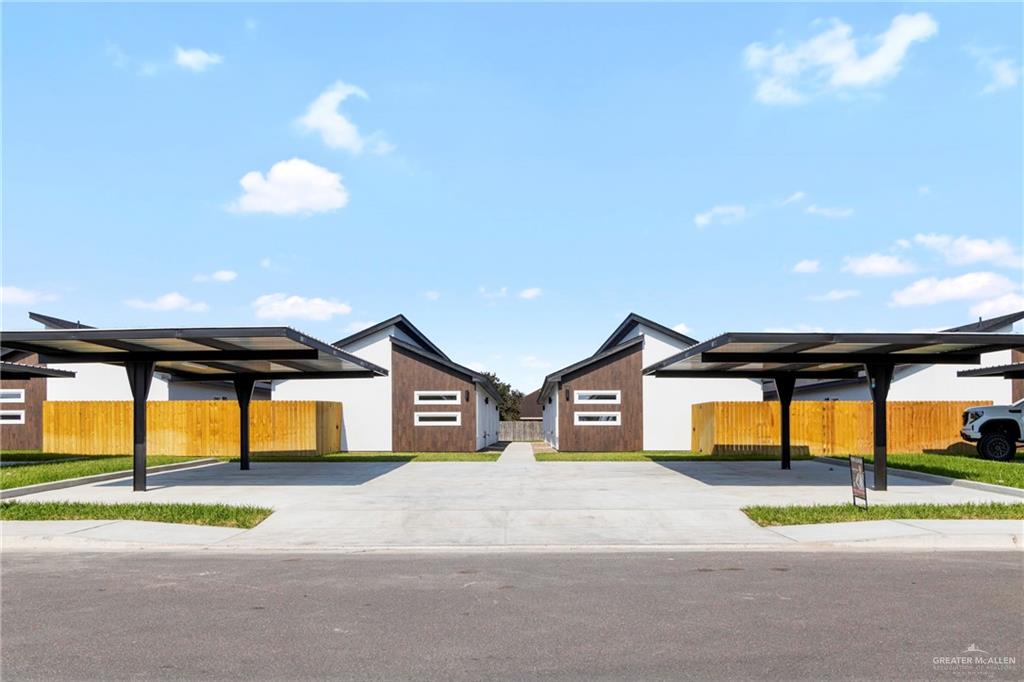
<point>605,403</point>
<point>426,403</point>
<point>22,392</point>
<point>529,407</point>
<point>926,382</point>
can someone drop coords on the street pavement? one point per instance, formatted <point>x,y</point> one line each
<point>623,616</point>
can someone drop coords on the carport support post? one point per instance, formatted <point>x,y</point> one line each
<point>243,389</point>
<point>784,387</point>
<point>140,377</point>
<point>879,379</point>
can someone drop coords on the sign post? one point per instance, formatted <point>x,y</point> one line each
<point>860,488</point>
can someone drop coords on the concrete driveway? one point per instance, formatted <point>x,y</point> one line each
<point>437,504</point>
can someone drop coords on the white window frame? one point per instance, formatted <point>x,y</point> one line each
<point>419,395</point>
<point>577,399</point>
<point>417,415</point>
<point>576,419</point>
<point>20,417</point>
<point>19,391</point>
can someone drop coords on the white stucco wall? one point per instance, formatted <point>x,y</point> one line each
<point>929,382</point>
<point>486,420</point>
<point>366,403</point>
<point>99,382</point>
<point>668,401</point>
<point>550,423</point>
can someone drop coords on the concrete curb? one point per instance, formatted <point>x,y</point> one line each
<point>934,478</point>
<point>96,478</point>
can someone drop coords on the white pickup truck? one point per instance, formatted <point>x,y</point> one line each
<point>996,428</point>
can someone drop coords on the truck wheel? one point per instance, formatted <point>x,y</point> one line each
<point>997,446</point>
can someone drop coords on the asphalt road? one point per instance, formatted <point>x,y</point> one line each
<point>509,616</point>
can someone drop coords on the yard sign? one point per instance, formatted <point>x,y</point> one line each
<point>860,488</point>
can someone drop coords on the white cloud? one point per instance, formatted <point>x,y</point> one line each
<point>824,212</point>
<point>1001,305</point>
<point>973,285</point>
<point>432,295</point>
<point>17,296</point>
<point>533,362</point>
<point>966,250</point>
<point>282,306</point>
<point>530,293</point>
<point>835,295</point>
<point>491,295</point>
<point>265,263</point>
<point>170,301</point>
<point>878,265</point>
<point>195,59</point>
<point>793,198</point>
<point>1003,72</point>
<point>251,25</point>
<point>682,328</point>
<point>721,214</point>
<point>924,190</point>
<point>335,129</point>
<point>807,266</point>
<point>293,186</point>
<point>218,276</point>
<point>831,61</point>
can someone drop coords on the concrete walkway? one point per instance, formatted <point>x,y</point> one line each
<point>437,505</point>
<point>517,454</point>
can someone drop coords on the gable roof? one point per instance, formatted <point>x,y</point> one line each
<point>631,321</point>
<point>552,379</point>
<point>472,375</point>
<point>529,406</point>
<point>403,323</point>
<point>989,324</point>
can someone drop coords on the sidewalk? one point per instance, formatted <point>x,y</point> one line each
<point>517,454</point>
<point>909,535</point>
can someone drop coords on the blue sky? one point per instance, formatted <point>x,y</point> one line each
<point>514,178</point>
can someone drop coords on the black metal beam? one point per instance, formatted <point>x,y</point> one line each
<point>140,377</point>
<point>850,373</point>
<point>180,356</point>
<point>843,358</point>
<point>879,380</point>
<point>243,390</point>
<point>274,376</point>
<point>784,387</point>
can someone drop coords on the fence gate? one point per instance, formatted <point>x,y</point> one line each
<point>521,431</point>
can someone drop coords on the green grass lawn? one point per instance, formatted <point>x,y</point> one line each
<point>380,457</point>
<point>654,456</point>
<point>194,514</point>
<point>839,513</point>
<point>34,456</point>
<point>967,467</point>
<point>45,472</point>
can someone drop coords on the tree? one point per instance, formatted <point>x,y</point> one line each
<point>508,406</point>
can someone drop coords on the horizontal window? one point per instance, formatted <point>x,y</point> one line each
<point>12,395</point>
<point>437,397</point>
<point>437,418</point>
<point>593,397</point>
<point>597,418</point>
<point>12,416</point>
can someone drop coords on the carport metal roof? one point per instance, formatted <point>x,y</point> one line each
<point>242,355</point>
<point>787,356</point>
<point>202,353</point>
<point>22,370</point>
<point>1014,370</point>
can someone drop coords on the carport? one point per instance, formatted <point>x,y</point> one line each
<point>787,357</point>
<point>241,355</point>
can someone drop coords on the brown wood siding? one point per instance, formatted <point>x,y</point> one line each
<point>410,373</point>
<point>619,372</point>
<point>27,436</point>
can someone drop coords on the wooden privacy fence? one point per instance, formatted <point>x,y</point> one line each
<point>521,431</point>
<point>192,427</point>
<point>829,427</point>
